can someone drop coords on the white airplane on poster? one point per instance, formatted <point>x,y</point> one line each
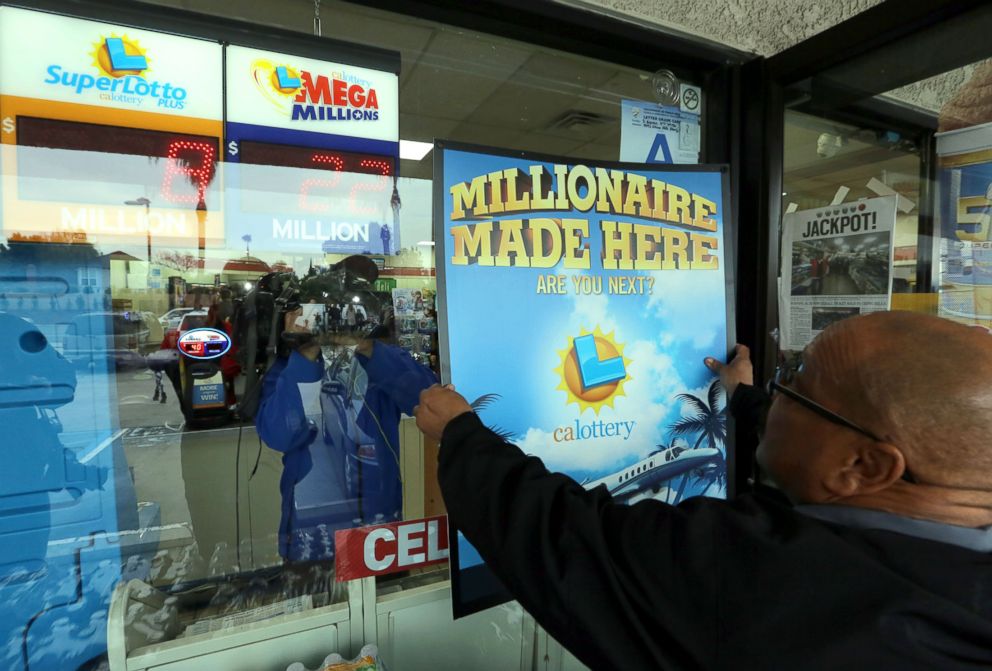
<point>654,470</point>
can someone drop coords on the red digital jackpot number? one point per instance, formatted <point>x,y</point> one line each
<point>336,163</point>
<point>383,168</point>
<point>196,164</point>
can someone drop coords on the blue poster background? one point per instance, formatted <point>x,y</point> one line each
<point>505,338</point>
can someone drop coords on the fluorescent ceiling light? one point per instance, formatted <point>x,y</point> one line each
<point>414,151</point>
<point>425,243</point>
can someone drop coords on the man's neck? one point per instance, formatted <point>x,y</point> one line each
<point>960,507</point>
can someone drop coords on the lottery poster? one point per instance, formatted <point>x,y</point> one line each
<point>577,302</point>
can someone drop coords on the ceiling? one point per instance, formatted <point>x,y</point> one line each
<point>464,86</point>
<point>811,179</point>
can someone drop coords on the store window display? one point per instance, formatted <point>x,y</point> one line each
<point>123,235</point>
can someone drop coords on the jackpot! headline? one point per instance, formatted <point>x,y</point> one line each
<point>674,231</point>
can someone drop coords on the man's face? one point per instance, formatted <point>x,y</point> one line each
<point>799,447</point>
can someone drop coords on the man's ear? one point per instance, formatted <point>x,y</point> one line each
<point>868,467</point>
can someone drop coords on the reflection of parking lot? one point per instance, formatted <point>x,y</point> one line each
<point>135,390</point>
<point>194,477</point>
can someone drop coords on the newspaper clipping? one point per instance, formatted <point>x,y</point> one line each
<point>836,263</point>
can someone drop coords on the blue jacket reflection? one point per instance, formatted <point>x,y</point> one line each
<point>337,426</point>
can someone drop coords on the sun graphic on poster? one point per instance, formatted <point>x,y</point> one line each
<point>609,353</point>
<point>106,59</point>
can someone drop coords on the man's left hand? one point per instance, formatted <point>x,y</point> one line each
<point>438,406</point>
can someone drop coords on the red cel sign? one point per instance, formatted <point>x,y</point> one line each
<point>389,548</point>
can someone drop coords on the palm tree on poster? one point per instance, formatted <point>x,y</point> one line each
<point>708,422</point>
<point>483,402</point>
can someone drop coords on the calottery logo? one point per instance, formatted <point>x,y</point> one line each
<point>593,370</point>
<point>306,96</point>
<point>122,68</point>
<point>119,56</point>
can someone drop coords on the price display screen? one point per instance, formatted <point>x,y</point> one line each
<point>73,162</point>
<point>325,159</point>
<point>359,184</point>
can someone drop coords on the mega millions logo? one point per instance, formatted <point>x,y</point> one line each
<point>306,96</point>
<point>593,370</point>
<point>122,76</point>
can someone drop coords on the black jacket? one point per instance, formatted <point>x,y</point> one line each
<point>711,584</point>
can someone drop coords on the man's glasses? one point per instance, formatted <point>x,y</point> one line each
<point>784,374</point>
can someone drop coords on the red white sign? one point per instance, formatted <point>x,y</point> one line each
<point>390,548</point>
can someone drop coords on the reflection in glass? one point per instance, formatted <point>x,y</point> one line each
<point>131,461</point>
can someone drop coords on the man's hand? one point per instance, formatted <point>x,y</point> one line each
<point>438,406</point>
<point>738,371</point>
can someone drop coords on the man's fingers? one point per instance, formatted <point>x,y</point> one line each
<point>424,393</point>
<point>742,352</point>
<point>712,364</point>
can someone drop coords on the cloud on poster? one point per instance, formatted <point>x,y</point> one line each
<point>676,301</point>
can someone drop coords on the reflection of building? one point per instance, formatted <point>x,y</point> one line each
<point>244,269</point>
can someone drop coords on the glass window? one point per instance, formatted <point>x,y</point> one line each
<point>831,163</point>
<point>214,361</point>
<point>920,146</point>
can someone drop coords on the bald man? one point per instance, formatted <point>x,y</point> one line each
<point>876,554</point>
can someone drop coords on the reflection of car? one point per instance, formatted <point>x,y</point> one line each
<point>155,329</point>
<point>120,336</point>
<point>191,319</point>
<point>172,318</point>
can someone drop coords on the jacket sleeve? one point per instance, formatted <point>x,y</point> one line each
<point>395,371</point>
<point>281,419</point>
<point>749,405</point>
<point>620,586</point>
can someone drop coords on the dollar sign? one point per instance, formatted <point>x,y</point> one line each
<point>232,148</point>
<point>8,125</point>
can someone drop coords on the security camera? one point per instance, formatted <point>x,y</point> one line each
<point>828,144</point>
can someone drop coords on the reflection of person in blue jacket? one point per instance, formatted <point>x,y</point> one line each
<point>336,421</point>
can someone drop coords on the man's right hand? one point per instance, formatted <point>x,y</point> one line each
<point>438,406</point>
<point>739,370</point>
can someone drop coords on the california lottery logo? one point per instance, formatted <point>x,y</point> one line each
<point>277,83</point>
<point>119,56</point>
<point>593,370</point>
<point>122,67</point>
<point>309,97</point>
